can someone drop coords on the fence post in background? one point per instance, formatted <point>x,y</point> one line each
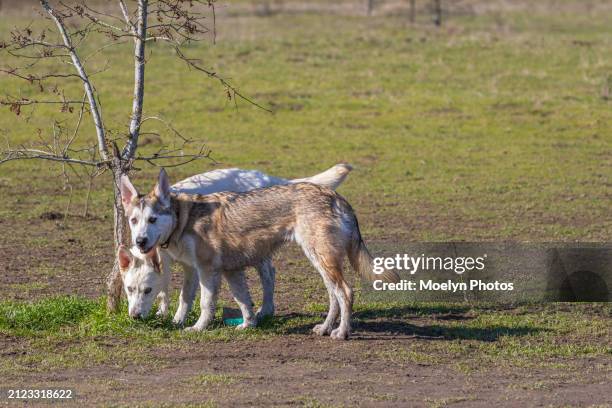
<point>370,7</point>
<point>437,6</point>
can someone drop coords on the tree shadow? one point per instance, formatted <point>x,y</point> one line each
<point>441,312</point>
<point>439,332</point>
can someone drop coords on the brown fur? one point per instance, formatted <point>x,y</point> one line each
<point>245,227</point>
<point>236,230</point>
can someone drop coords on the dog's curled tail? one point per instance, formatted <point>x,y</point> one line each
<point>361,260</point>
<point>331,178</point>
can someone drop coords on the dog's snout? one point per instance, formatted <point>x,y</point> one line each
<point>141,241</point>
<point>136,316</point>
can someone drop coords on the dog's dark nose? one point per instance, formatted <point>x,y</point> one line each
<point>137,316</point>
<point>141,241</point>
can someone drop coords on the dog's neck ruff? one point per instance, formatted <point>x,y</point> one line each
<point>166,244</point>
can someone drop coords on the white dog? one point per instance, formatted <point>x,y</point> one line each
<point>142,286</point>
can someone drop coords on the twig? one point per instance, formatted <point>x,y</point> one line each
<point>211,74</point>
<point>27,154</point>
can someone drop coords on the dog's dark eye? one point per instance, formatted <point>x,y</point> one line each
<point>147,291</point>
<point>152,220</point>
<point>130,289</point>
<point>134,220</point>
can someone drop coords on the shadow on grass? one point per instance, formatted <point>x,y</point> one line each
<point>438,332</point>
<point>442,312</point>
<point>382,323</point>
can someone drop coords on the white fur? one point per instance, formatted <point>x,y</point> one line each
<point>137,281</point>
<point>141,228</point>
<point>239,180</point>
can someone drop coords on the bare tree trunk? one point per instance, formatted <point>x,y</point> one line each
<point>412,11</point>
<point>139,77</point>
<point>438,12</point>
<point>121,162</point>
<point>114,280</point>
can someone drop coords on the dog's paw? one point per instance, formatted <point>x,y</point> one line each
<point>339,334</point>
<point>264,312</point>
<point>246,325</point>
<point>194,328</point>
<point>179,318</point>
<point>321,329</point>
<point>161,313</point>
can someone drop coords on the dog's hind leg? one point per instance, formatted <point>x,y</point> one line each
<point>267,277</point>
<point>166,272</point>
<point>344,294</point>
<point>328,259</point>
<point>240,291</point>
<point>188,292</point>
<point>210,280</point>
<point>326,327</point>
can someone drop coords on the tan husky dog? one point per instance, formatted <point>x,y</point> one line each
<point>221,234</point>
<point>141,282</point>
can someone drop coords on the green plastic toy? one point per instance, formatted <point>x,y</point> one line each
<point>232,317</point>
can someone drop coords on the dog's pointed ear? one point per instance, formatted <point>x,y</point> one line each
<point>128,191</point>
<point>162,188</point>
<point>124,256</point>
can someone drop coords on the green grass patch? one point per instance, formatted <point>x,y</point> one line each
<point>78,317</point>
<point>213,379</point>
<point>45,315</point>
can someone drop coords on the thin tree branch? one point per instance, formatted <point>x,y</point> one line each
<point>27,154</point>
<point>203,152</point>
<point>25,102</point>
<point>231,90</point>
<point>93,105</point>
<point>77,127</point>
<point>168,125</point>
<point>126,16</point>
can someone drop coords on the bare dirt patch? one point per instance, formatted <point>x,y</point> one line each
<point>395,358</point>
<point>304,370</point>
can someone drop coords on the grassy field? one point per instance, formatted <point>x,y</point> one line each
<point>494,127</point>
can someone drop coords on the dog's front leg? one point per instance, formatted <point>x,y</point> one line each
<point>266,276</point>
<point>164,298</point>
<point>210,280</point>
<point>240,290</point>
<point>188,292</point>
